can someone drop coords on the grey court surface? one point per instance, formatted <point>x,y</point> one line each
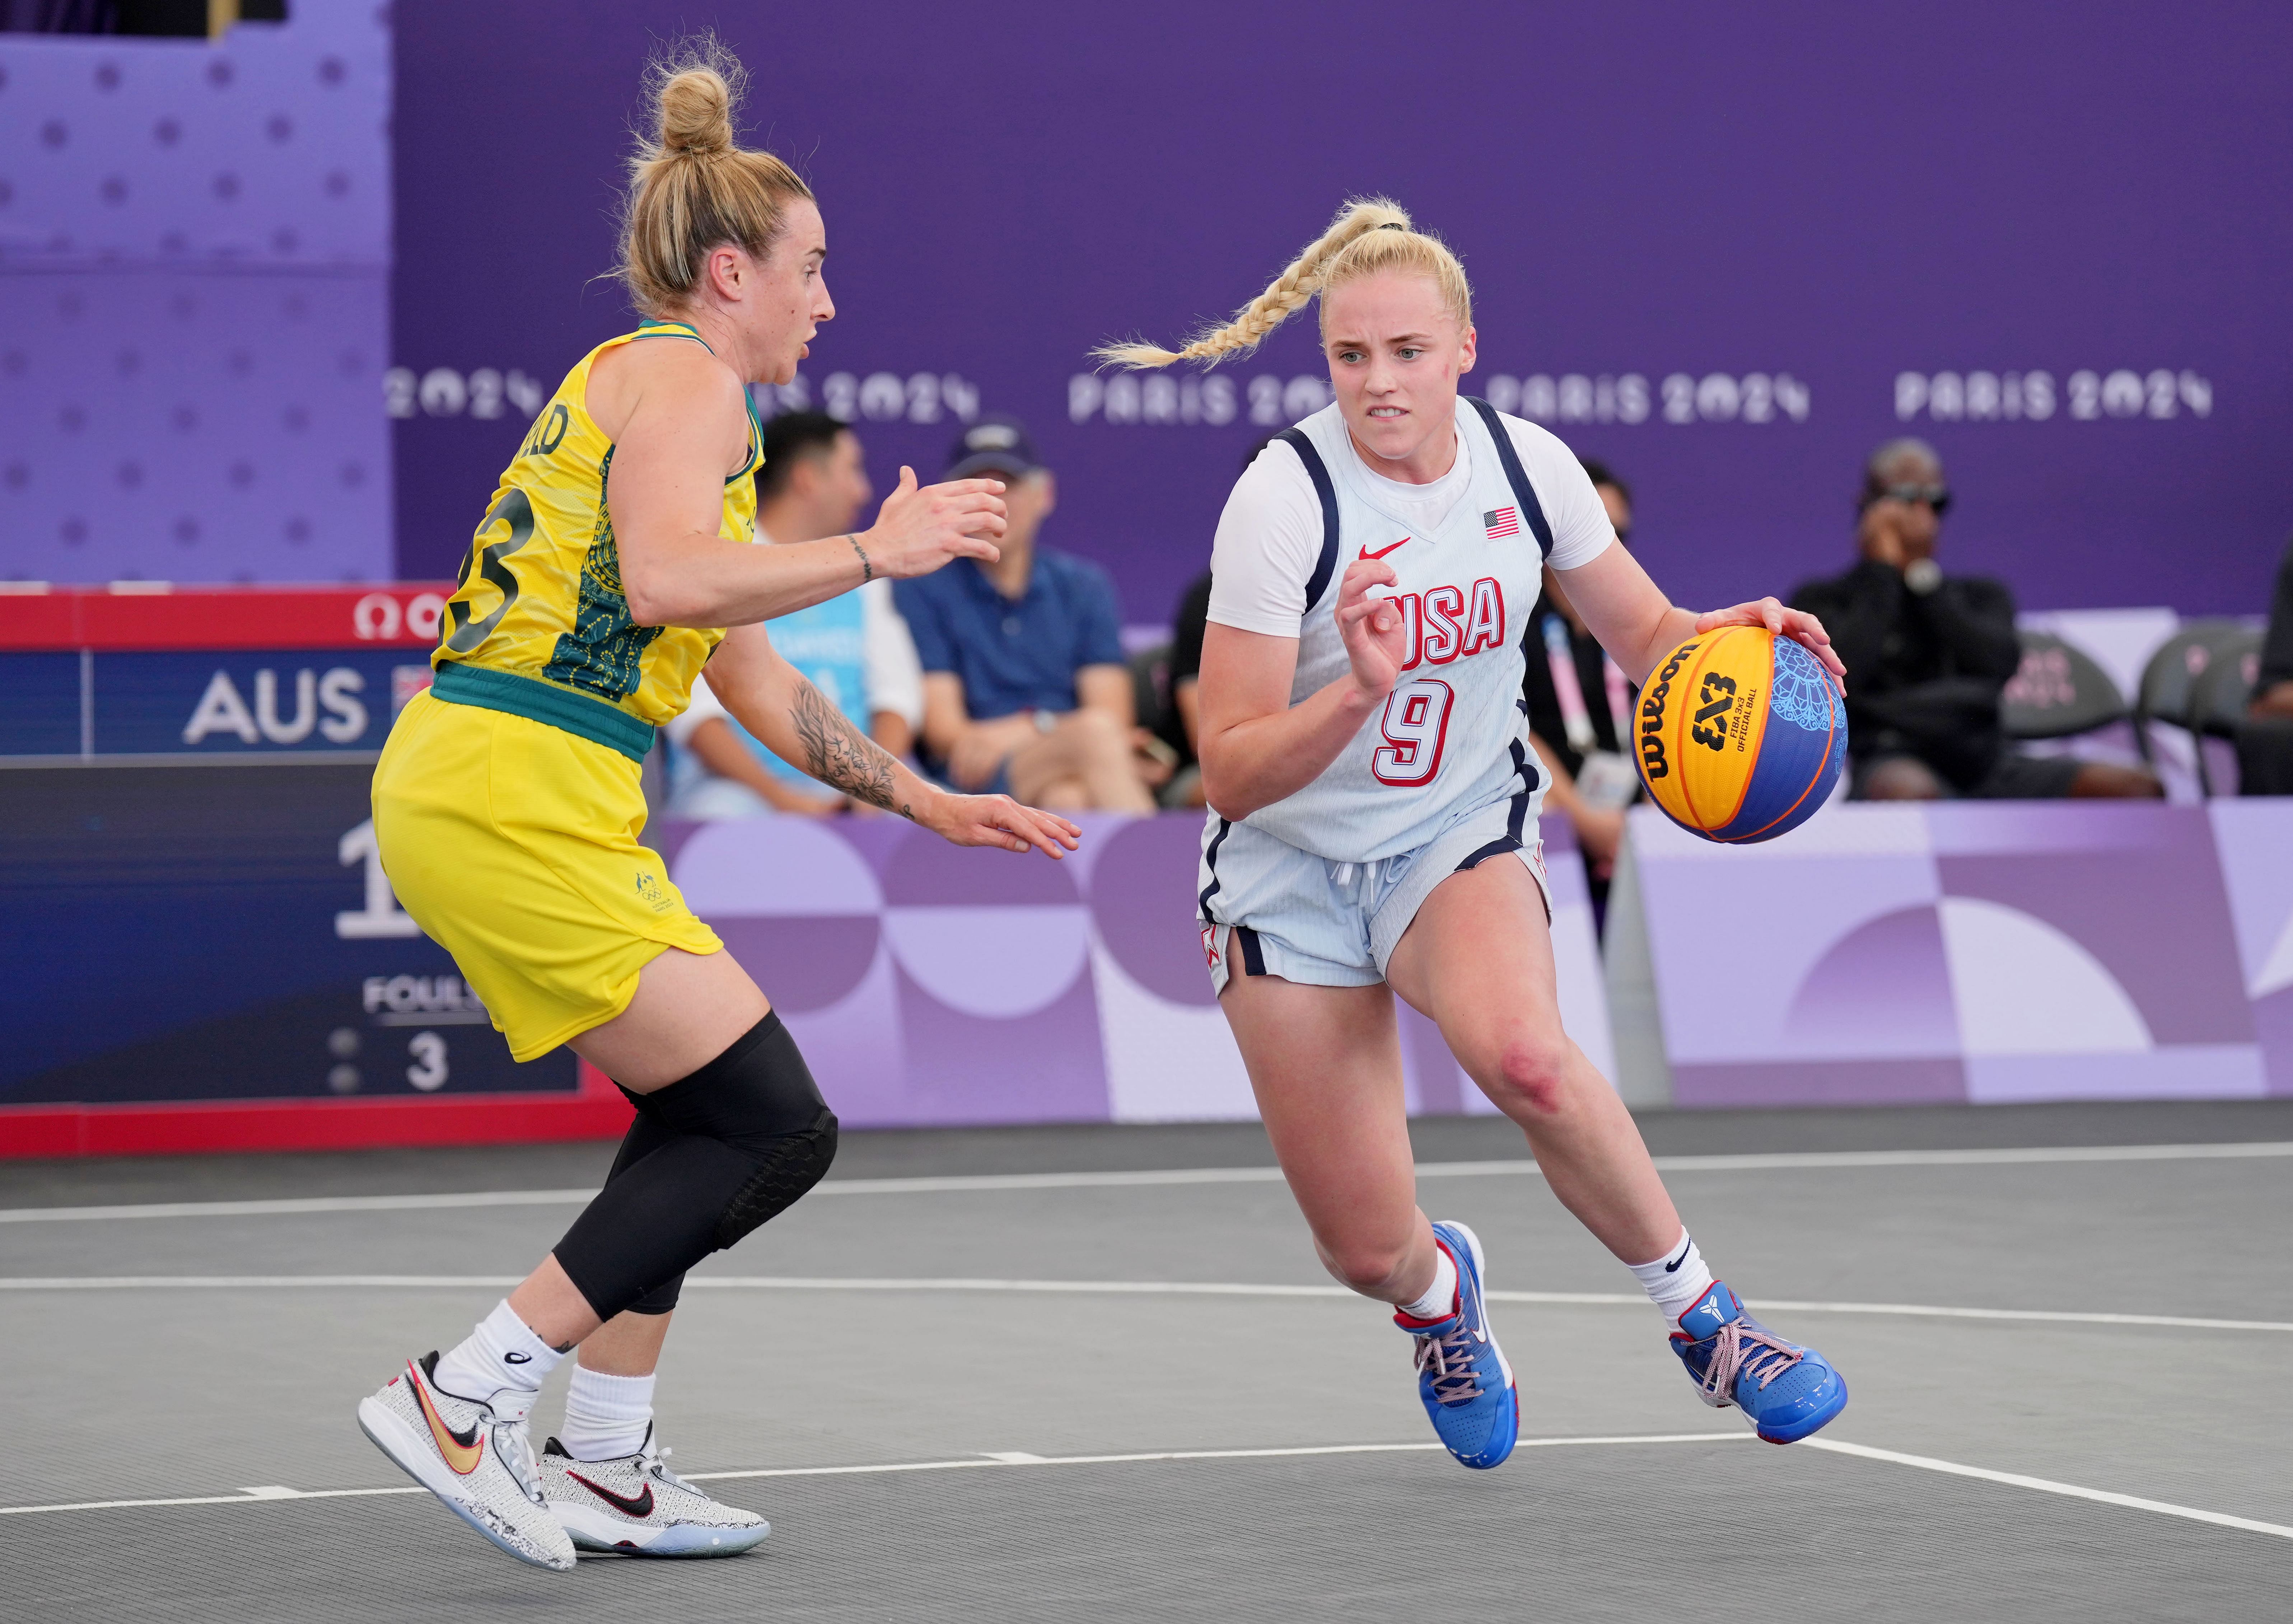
<point>1096,1373</point>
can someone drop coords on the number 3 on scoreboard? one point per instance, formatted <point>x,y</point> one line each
<point>1415,726</point>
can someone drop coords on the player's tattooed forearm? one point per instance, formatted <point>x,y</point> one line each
<point>839,755</point>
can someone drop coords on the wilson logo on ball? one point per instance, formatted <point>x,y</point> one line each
<point>1653,765</point>
<point>1755,744</point>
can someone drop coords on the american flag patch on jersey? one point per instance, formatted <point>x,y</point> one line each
<point>1503,522</point>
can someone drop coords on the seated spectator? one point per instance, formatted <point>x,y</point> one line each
<point>1025,689</point>
<point>812,481</point>
<point>1927,656</point>
<point>1580,712</point>
<point>1180,725</point>
<point>2264,740</point>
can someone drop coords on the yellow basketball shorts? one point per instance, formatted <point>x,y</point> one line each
<point>515,845</point>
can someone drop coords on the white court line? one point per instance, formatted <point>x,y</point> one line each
<point>2047,1485</point>
<point>1076,1288</point>
<point>1012,1460</point>
<point>1780,1161</point>
<point>243,1498</point>
<point>1006,1460</point>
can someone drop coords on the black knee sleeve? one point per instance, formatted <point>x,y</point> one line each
<point>643,1138</point>
<point>734,1144</point>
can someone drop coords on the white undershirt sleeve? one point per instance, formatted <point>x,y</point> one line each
<point>1269,538</point>
<point>894,675</point>
<point>703,705</point>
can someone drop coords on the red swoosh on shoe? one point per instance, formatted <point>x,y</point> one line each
<point>639,1506</point>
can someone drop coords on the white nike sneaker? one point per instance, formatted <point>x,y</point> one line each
<point>635,1504</point>
<point>473,1455</point>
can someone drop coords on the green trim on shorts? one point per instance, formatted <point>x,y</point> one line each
<point>545,702</point>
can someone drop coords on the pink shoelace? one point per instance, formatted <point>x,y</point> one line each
<point>1744,1351</point>
<point>1454,1378</point>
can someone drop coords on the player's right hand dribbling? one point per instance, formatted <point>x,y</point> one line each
<point>923,528</point>
<point>1376,641</point>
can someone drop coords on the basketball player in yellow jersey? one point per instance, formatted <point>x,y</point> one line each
<point>508,810</point>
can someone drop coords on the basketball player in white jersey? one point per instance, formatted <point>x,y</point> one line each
<point>1373,805</point>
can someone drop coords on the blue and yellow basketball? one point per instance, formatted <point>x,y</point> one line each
<point>1740,734</point>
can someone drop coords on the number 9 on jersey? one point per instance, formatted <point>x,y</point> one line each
<point>1415,726</point>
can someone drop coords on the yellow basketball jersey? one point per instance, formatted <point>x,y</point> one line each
<point>539,601</point>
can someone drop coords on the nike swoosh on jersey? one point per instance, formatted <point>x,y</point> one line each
<point>462,1451</point>
<point>1382,552</point>
<point>640,1506</point>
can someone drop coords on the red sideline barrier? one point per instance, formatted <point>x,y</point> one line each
<point>131,615</point>
<point>598,1111</point>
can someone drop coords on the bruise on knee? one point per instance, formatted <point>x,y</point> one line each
<point>1533,1074</point>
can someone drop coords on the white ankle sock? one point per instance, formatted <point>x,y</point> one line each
<point>606,1417</point>
<point>1674,1280</point>
<point>502,1352</point>
<point>1440,1298</point>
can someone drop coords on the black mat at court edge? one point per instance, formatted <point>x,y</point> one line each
<point>1716,1531</point>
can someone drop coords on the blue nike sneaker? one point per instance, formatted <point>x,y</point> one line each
<point>1462,1373</point>
<point>1788,1391</point>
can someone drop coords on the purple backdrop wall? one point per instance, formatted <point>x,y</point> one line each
<point>1847,223</point>
<point>194,304</point>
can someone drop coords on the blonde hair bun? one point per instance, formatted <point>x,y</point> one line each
<point>693,187</point>
<point>696,111</point>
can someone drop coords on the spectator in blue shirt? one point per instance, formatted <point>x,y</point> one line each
<point>1025,689</point>
<point>812,481</point>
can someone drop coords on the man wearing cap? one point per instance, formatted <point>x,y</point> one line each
<point>1025,689</point>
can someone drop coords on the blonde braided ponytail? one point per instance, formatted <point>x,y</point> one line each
<point>1292,291</point>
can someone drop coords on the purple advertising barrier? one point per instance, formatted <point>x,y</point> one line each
<point>2255,842</point>
<point>931,985</point>
<point>1990,953</point>
<point>1727,252</point>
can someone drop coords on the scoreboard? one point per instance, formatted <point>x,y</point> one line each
<point>138,670</point>
<point>206,953</point>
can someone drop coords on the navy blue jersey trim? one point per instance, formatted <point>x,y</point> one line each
<point>1516,475</point>
<point>1209,858</point>
<point>1529,781</point>
<point>1496,848</point>
<point>1253,957</point>
<point>1319,471</point>
<point>1516,823</point>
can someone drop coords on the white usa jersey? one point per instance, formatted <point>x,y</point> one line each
<point>1453,737</point>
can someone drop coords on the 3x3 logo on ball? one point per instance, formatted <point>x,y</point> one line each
<point>1715,697</point>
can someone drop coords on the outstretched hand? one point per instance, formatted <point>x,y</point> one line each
<point>998,821</point>
<point>1376,641</point>
<point>921,528</point>
<point>1802,627</point>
